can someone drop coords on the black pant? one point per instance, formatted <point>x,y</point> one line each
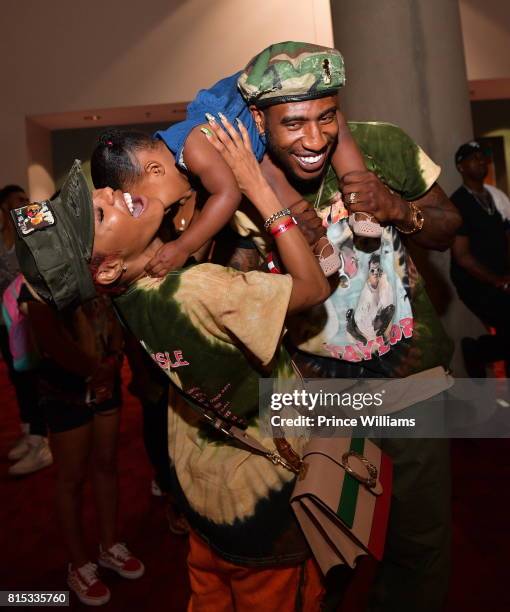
<point>492,307</point>
<point>25,387</point>
<point>413,575</point>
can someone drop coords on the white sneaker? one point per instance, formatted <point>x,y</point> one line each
<point>20,448</point>
<point>38,457</point>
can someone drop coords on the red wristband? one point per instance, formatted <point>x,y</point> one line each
<point>271,265</point>
<point>283,227</point>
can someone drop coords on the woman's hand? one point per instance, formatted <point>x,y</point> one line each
<point>309,285</point>
<point>235,148</point>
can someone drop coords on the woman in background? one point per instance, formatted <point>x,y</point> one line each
<point>80,388</point>
<point>30,451</point>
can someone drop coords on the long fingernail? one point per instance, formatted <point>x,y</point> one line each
<point>239,122</point>
<point>222,117</point>
<point>206,131</point>
<point>210,118</point>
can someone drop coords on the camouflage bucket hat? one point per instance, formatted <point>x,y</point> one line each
<point>54,243</point>
<point>290,72</point>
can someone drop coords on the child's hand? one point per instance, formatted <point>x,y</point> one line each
<point>170,256</point>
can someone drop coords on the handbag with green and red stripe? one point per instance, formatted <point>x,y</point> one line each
<point>342,499</point>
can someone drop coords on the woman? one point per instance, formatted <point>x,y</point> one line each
<point>30,451</point>
<point>214,332</point>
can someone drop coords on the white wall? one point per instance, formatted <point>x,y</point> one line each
<point>486,33</point>
<point>59,56</point>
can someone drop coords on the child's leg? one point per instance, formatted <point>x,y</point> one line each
<point>71,451</point>
<point>328,256</point>
<point>327,253</point>
<point>312,227</point>
<point>104,473</point>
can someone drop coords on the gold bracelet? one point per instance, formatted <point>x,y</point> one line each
<point>417,220</point>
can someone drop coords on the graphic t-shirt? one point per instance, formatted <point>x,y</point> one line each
<point>223,97</point>
<point>380,309</point>
<point>215,331</point>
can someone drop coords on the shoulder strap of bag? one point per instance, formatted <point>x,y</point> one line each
<point>245,439</point>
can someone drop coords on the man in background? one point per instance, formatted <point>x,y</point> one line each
<point>480,265</point>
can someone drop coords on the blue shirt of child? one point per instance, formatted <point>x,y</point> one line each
<point>223,97</point>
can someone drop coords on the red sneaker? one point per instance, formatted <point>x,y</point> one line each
<point>87,586</point>
<point>120,560</point>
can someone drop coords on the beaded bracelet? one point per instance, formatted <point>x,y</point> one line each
<point>283,227</point>
<point>285,212</point>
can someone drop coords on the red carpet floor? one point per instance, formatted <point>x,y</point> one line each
<point>32,556</point>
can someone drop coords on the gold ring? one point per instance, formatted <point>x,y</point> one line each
<point>352,197</point>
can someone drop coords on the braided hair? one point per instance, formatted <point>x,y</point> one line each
<point>113,163</point>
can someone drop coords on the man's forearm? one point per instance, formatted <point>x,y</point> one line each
<point>365,192</point>
<point>478,270</point>
<point>441,221</point>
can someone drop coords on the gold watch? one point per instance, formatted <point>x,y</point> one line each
<point>417,220</point>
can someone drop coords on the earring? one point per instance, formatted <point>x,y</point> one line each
<point>124,269</point>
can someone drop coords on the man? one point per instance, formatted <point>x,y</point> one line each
<point>480,265</point>
<point>399,189</point>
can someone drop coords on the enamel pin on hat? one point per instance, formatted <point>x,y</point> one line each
<point>33,217</point>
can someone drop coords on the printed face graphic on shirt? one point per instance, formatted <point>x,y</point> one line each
<point>374,273</point>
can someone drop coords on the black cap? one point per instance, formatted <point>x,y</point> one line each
<point>54,243</point>
<point>466,150</point>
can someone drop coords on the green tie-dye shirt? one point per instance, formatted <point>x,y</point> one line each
<point>215,332</point>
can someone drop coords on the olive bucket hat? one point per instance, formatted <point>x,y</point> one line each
<point>54,243</point>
